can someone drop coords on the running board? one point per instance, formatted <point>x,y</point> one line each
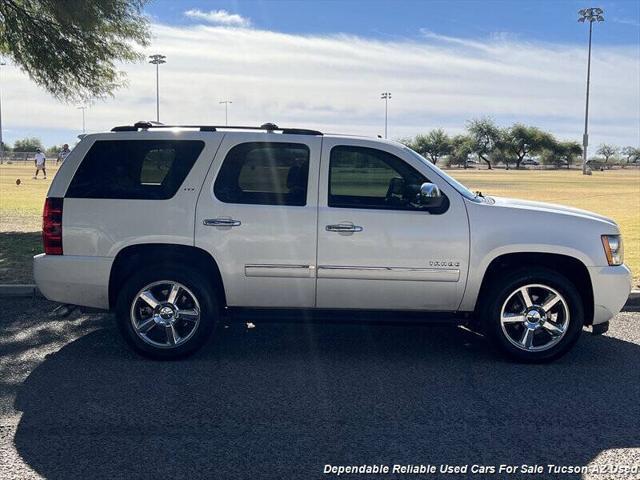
<point>322,315</point>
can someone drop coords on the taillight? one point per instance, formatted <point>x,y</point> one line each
<point>52,226</point>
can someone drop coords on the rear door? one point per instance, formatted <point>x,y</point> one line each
<point>257,215</point>
<point>377,249</point>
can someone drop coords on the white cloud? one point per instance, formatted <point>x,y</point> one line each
<point>219,17</point>
<point>333,83</point>
<point>627,21</point>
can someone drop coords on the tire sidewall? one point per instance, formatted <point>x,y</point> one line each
<point>194,281</point>
<point>497,296</point>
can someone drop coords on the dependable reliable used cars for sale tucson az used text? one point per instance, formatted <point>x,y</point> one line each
<point>177,228</point>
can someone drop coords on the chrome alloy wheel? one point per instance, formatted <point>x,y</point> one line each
<point>165,314</point>
<point>534,317</point>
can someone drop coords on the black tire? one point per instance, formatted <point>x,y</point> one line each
<point>204,293</point>
<point>501,290</point>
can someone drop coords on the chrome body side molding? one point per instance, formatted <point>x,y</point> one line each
<point>389,273</point>
<point>289,271</point>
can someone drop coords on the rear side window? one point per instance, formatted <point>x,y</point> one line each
<point>134,169</point>
<point>264,173</point>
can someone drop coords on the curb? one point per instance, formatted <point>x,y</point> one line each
<point>31,290</point>
<point>634,299</point>
<point>24,290</point>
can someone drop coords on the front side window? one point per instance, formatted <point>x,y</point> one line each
<point>264,173</point>
<point>134,169</point>
<point>361,177</point>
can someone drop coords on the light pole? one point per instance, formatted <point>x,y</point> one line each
<point>83,108</point>
<point>386,96</point>
<point>2,64</point>
<point>226,110</point>
<point>157,60</point>
<point>588,15</point>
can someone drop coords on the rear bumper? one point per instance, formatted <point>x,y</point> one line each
<point>77,280</point>
<point>611,288</point>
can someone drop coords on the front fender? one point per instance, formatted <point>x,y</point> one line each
<point>478,270</point>
<point>497,230</point>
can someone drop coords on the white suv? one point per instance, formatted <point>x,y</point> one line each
<point>175,228</point>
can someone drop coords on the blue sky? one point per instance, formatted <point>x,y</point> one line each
<point>322,64</point>
<point>551,21</point>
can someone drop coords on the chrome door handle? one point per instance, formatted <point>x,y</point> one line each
<point>343,228</point>
<point>221,222</point>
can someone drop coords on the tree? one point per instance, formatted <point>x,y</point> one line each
<point>433,145</point>
<point>561,153</point>
<point>607,151</point>
<point>521,140</point>
<point>572,150</point>
<point>502,152</point>
<point>632,154</point>
<point>5,148</point>
<point>53,150</point>
<point>30,144</point>
<point>406,141</point>
<point>485,135</point>
<point>71,47</point>
<point>461,148</point>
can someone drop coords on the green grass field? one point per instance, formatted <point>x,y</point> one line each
<point>20,220</point>
<point>614,193</point>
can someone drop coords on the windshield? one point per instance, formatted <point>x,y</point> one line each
<point>448,178</point>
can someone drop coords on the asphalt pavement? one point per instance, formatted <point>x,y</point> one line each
<point>284,400</point>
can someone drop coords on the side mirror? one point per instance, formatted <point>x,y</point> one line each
<point>430,195</point>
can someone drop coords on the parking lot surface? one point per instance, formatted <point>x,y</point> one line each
<point>281,401</point>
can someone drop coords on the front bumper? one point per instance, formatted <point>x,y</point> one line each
<point>611,288</point>
<point>77,280</point>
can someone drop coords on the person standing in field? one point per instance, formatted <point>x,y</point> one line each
<point>62,155</point>
<point>39,161</point>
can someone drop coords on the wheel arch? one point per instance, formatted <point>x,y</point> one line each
<point>571,267</point>
<point>131,258</point>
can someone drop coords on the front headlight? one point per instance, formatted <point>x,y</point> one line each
<point>613,249</point>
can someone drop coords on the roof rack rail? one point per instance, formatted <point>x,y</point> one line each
<point>268,127</point>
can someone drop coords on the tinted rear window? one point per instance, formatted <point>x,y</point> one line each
<point>264,173</point>
<point>134,169</point>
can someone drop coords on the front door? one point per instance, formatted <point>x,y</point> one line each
<point>378,249</point>
<point>257,217</point>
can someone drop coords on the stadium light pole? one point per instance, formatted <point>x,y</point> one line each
<point>588,15</point>
<point>157,60</point>
<point>226,110</point>
<point>83,108</point>
<point>2,64</point>
<point>386,96</point>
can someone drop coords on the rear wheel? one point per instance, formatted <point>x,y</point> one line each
<point>533,315</point>
<point>167,312</point>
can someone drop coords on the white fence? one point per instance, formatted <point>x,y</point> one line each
<point>23,158</point>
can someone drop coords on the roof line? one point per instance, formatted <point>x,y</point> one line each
<point>268,127</point>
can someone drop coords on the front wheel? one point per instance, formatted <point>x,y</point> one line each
<point>533,315</point>
<point>166,313</point>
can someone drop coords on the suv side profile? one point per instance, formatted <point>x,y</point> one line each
<point>175,228</point>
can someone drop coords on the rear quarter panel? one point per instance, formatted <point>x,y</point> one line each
<point>103,227</point>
